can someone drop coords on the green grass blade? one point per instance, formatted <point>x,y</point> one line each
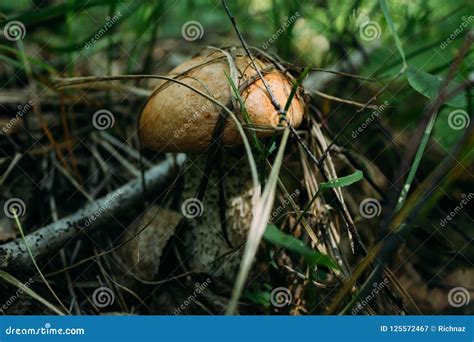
<point>15,282</point>
<point>261,212</point>
<point>393,30</point>
<point>343,181</point>
<point>22,233</point>
<point>296,84</point>
<point>276,237</point>
<point>334,183</point>
<point>416,163</point>
<point>245,114</point>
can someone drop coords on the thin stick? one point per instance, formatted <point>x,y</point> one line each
<point>338,99</point>
<point>51,238</point>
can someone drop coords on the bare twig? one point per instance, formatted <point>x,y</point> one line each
<point>51,238</point>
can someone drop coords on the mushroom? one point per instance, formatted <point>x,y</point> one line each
<point>179,119</point>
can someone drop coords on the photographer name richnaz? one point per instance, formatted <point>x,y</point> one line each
<point>450,328</point>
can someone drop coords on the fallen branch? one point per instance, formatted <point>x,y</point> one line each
<point>51,238</point>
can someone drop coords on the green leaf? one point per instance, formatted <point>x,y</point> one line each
<point>278,238</point>
<point>342,181</point>
<point>429,86</point>
<point>393,30</point>
<point>334,183</point>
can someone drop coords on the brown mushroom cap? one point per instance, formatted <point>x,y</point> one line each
<point>177,119</point>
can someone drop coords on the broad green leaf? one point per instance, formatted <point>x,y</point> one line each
<point>393,30</point>
<point>429,86</point>
<point>278,238</point>
<point>342,181</point>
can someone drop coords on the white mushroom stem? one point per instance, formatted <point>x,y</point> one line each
<point>207,245</point>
